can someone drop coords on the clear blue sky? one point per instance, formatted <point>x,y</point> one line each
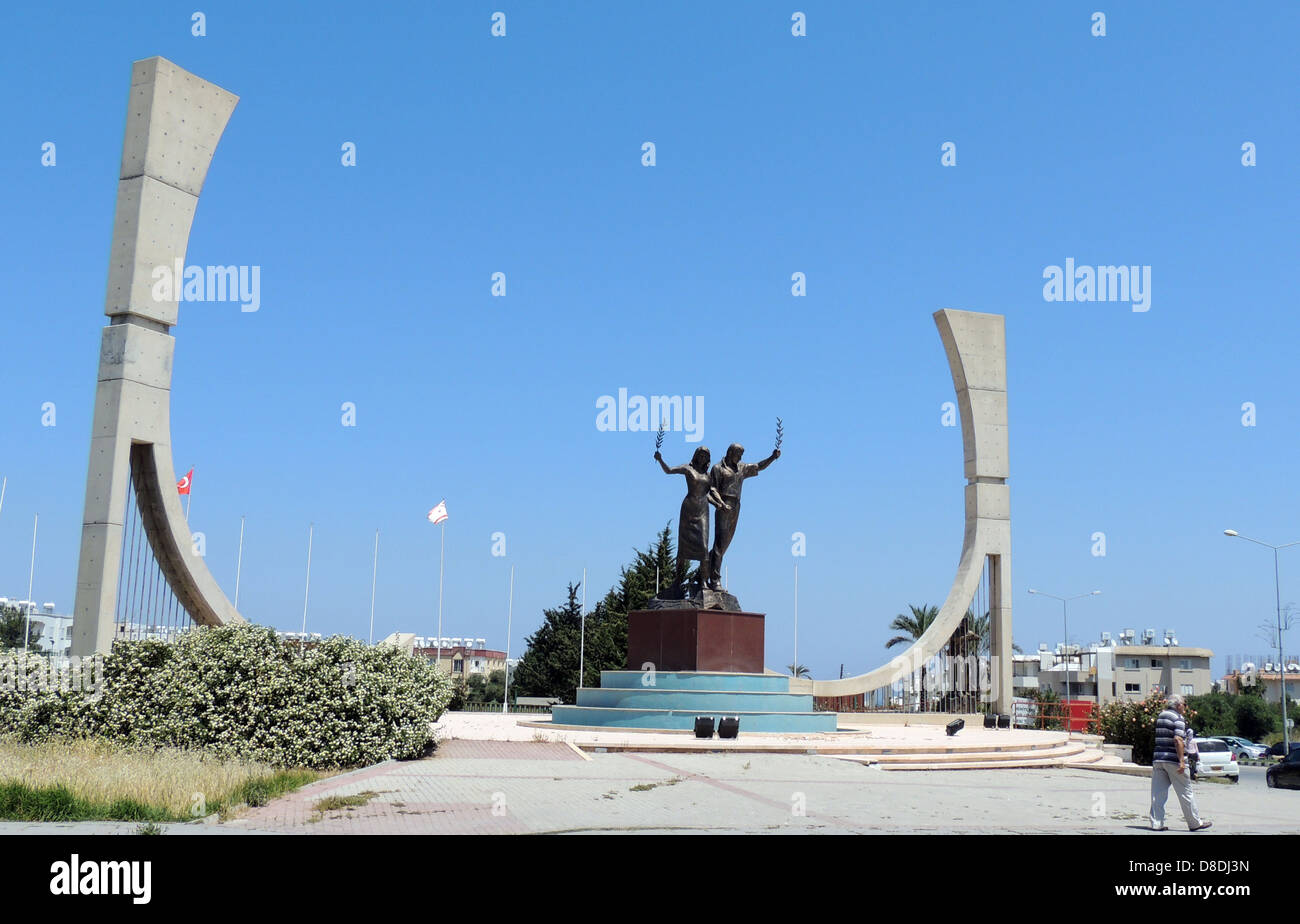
<point>775,154</point>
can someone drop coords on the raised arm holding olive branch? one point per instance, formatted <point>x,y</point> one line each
<point>693,522</point>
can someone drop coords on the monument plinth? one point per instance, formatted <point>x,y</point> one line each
<point>689,638</point>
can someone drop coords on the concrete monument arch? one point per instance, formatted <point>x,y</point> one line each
<point>174,121</point>
<point>976,348</point>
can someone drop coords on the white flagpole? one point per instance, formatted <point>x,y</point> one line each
<point>582,632</point>
<point>796,616</point>
<point>3,485</point>
<point>239,564</point>
<point>656,580</point>
<point>510,610</point>
<point>27,631</point>
<point>302,642</point>
<point>373,575</point>
<point>441,557</point>
<point>189,493</point>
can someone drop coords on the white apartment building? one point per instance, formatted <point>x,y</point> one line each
<point>55,628</point>
<point>1123,668</point>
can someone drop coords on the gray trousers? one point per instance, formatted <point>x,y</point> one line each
<point>1164,773</point>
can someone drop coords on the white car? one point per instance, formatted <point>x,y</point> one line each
<point>1216,759</point>
<point>1243,748</point>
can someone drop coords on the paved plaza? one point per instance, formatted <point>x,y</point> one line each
<point>538,787</point>
<point>494,787</point>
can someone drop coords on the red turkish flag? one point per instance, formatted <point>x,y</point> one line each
<point>183,486</point>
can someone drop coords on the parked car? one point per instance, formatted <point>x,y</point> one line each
<point>1217,759</point>
<point>1243,748</point>
<point>1286,773</point>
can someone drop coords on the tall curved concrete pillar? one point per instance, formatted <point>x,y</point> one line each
<point>174,121</point>
<point>976,347</point>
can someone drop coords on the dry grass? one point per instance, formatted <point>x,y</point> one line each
<point>176,783</point>
<point>646,787</point>
<point>342,804</point>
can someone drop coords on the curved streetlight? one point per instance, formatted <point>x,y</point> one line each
<point>1065,618</point>
<point>1277,590</point>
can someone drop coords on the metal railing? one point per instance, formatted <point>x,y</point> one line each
<point>1076,715</point>
<point>514,708</point>
<point>948,683</point>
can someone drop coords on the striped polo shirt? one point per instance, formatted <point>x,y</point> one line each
<point>1169,725</point>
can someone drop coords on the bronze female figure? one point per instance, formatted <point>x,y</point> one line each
<point>693,523</point>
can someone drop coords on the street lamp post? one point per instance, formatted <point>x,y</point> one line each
<point>1065,618</point>
<point>1277,591</point>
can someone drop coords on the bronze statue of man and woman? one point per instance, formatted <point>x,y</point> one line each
<point>720,487</point>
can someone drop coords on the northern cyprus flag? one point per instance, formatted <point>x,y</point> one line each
<point>438,513</point>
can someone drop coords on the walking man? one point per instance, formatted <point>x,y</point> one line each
<point>1169,768</point>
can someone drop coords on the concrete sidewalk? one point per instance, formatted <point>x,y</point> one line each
<point>546,787</point>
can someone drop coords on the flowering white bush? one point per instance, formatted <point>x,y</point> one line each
<point>37,703</point>
<point>242,692</point>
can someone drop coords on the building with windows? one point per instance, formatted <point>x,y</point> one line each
<point>55,628</point>
<point>1141,669</point>
<point>1115,669</point>
<point>460,657</point>
<point>1269,677</point>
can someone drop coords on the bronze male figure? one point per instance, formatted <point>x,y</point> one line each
<point>727,478</point>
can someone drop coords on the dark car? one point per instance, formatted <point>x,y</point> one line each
<point>1276,749</point>
<point>1286,773</point>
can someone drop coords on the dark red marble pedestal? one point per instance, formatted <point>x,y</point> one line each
<point>690,639</point>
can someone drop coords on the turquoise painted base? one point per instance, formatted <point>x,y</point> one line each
<point>672,700</point>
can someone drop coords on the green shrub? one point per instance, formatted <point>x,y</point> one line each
<point>459,695</point>
<point>240,691</point>
<point>1255,718</point>
<point>1215,714</point>
<point>1133,723</point>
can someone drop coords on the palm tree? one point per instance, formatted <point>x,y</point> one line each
<point>913,626</point>
<point>798,670</point>
<point>980,629</point>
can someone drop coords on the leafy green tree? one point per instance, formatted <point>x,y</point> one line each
<point>487,689</point>
<point>13,626</point>
<point>912,626</point>
<point>549,666</point>
<point>798,670</point>
<point>459,694</point>
<point>1252,689</point>
<point>1047,708</point>
<point>636,581</point>
<point>494,690</point>
<point>1213,714</point>
<point>1255,718</point>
